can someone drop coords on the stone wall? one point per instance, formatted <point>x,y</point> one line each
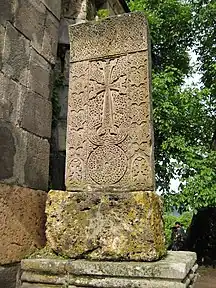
<point>72,12</point>
<point>28,47</point>
<point>28,37</point>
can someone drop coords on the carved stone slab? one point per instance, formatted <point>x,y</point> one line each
<point>109,135</point>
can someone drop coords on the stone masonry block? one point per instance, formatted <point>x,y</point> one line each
<point>2,39</point>
<point>16,55</point>
<point>111,226</point>
<point>54,6</point>
<point>39,75</point>
<point>7,9</point>
<point>8,148</point>
<point>9,99</point>
<point>22,221</point>
<point>36,114</point>
<point>24,157</point>
<point>30,20</point>
<point>9,275</point>
<point>50,40</point>
<point>36,169</point>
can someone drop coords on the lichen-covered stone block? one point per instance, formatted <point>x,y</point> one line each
<point>22,221</point>
<point>125,226</point>
<point>109,124</point>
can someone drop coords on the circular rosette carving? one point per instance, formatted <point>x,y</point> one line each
<point>107,164</point>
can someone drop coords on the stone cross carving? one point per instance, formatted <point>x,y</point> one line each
<point>109,136</point>
<point>114,214</point>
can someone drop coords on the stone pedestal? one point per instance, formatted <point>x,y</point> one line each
<point>176,270</point>
<point>105,225</point>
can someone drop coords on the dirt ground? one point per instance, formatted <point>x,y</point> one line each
<point>207,278</point>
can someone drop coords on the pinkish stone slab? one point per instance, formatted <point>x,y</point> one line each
<point>109,136</point>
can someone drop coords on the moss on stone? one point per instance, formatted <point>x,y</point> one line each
<point>114,226</point>
<point>45,253</point>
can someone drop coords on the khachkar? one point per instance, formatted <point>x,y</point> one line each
<point>110,210</point>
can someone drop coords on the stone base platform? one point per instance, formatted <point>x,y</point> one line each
<point>176,270</point>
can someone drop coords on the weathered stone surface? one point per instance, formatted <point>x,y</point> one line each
<point>176,265</point>
<point>124,34</point>
<point>74,9</point>
<point>36,169</point>
<point>2,38</point>
<point>33,285</point>
<point>24,157</point>
<point>62,127</point>
<point>9,97</point>
<point>24,113</point>
<point>64,30</point>
<point>39,75</point>
<point>54,6</point>
<point>8,151</point>
<point>16,55</point>
<point>9,275</point>
<point>50,39</point>
<point>36,114</point>
<point>29,19</point>
<point>67,66</point>
<point>174,270</point>
<point>102,282</point>
<point>105,226</point>
<point>22,221</point>
<point>7,9</point>
<point>109,136</point>
<point>63,101</point>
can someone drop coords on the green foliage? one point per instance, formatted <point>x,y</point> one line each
<point>205,33</point>
<point>103,13</point>
<point>184,116</point>
<point>169,222</point>
<point>170,24</point>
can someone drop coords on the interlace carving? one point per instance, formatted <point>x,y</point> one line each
<point>109,123</point>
